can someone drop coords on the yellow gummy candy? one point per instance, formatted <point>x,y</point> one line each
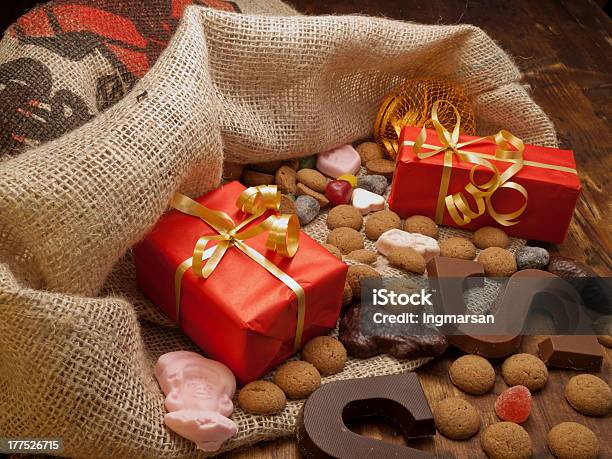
<point>349,178</point>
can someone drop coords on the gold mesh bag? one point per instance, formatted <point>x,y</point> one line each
<point>410,104</point>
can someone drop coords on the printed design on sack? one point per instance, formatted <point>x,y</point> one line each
<point>129,36</point>
<point>34,114</point>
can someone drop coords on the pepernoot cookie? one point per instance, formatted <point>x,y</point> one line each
<point>379,222</point>
<point>457,247</point>
<point>506,440</point>
<point>487,236</point>
<point>472,374</point>
<point>422,225</point>
<point>346,239</point>
<point>313,179</point>
<point>380,166</point>
<point>344,215</point>
<point>254,178</point>
<point>334,250</point>
<point>525,370</point>
<point>605,340</point>
<point>327,354</point>
<point>589,395</point>
<point>304,190</point>
<point>369,150</point>
<point>407,259</point>
<point>497,262</point>
<point>297,379</point>
<point>570,440</point>
<point>262,397</point>
<point>287,205</point>
<point>269,167</point>
<point>354,276</point>
<point>362,256</point>
<point>456,418</point>
<point>285,180</point>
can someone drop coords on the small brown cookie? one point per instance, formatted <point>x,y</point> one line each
<point>457,247</point>
<point>422,225</point>
<point>268,167</point>
<point>506,440</point>
<point>362,256</point>
<point>570,440</point>
<point>589,395</point>
<point>287,205</point>
<point>313,179</point>
<point>285,180</point>
<point>344,215</point>
<point>334,250</point>
<point>408,259</point>
<point>384,167</point>
<point>472,374</point>
<point>379,222</point>
<point>347,294</point>
<point>497,262</point>
<point>488,236</point>
<point>456,418</point>
<point>297,379</point>
<point>327,354</point>
<point>355,274</point>
<point>346,239</point>
<point>304,190</point>
<point>605,340</point>
<point>232,171</point>
<point>262,397</point>
<point>369,151</point>
<point>253,178</point>
<point>525,370</point>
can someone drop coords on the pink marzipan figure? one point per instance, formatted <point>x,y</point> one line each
<point>199,395</point>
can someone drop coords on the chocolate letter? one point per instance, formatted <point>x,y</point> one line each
<point>546,292</point>
<point>322,432</point>
<point>580,352</point>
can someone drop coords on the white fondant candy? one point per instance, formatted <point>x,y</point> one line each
<point>394,238</point>
<point>339,161</point>
<point>199,395</point>
<point>366,201</point>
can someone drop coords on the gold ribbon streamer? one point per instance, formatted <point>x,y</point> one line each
<point>283,238</point>
<point>508,148</point>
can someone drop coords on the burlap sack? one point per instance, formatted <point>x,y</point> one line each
<point>77,339</point>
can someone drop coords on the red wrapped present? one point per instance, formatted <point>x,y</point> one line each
<point>470,182</point>
<point>260,296</point>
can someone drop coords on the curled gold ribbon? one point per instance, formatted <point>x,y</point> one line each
<point>509,148</point>
<point>283,238</point>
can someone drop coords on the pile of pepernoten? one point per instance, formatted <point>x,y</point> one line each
<point>352,186</point>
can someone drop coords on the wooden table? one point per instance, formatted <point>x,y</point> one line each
<point>564,50</point>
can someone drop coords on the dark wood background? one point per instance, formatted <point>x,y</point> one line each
<point>564,50</point>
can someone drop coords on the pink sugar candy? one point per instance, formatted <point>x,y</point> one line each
<point>199,395</point>
<point>514,404</point>
<point>339,161</point>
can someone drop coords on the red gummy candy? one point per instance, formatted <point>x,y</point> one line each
<point>338,192</point>
<point>514,404</point>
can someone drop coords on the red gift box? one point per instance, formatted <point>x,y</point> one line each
<point>548,175</point>
<point>241,314</point>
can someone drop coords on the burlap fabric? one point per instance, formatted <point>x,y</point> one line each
<point>77,339</point>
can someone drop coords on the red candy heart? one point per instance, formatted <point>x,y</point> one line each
<point>338,192</point>
<point>514,404</point>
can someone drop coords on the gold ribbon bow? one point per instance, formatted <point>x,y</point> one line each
<point>283,238</point>
<point>457,204</point>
